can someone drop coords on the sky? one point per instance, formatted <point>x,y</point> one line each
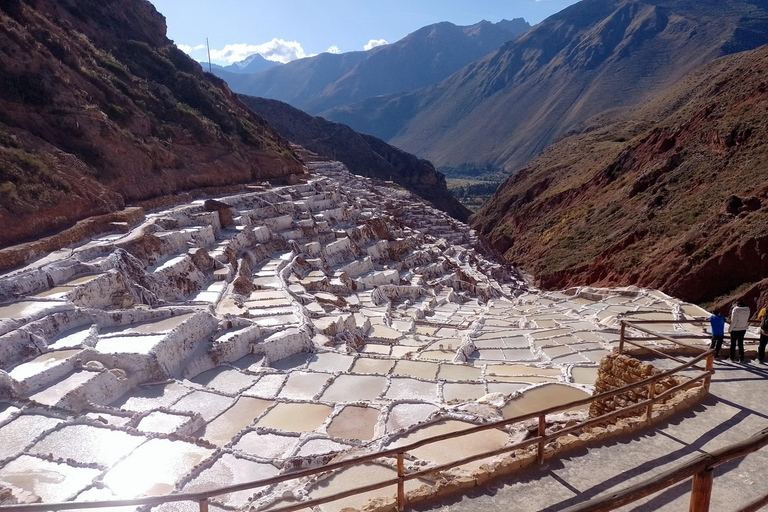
<point>285,30</point>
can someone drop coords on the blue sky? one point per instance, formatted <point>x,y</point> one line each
<point>288,29</point>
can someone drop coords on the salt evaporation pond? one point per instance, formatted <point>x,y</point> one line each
<point>356,330</point>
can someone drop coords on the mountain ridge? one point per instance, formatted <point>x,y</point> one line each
<point>432,52</point>
<point>593,56</point>
<point>362,154</point>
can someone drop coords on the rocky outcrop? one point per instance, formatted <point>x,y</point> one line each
<point>617,371</point>
<point>99,109</point>
<point>673,197</point>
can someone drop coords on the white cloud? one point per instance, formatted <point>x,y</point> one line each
<point>373,43</point>
<point>333,49</point>
<point>276,50</point>
<point>189,49</point>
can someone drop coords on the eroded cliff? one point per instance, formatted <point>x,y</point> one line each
<point>98,108</point>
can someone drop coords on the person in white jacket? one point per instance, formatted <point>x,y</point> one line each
<point>738,328</point>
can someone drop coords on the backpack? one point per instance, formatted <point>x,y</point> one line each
<point>764,325</point>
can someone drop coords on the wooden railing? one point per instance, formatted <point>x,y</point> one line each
<point>540,441</point>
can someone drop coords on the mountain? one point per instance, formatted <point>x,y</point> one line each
<point>674,196</point>
<point>251,64</point>
<point>593,56</point>
<point>362,154</point>
<point>428,55</point>
<point>98,109</point>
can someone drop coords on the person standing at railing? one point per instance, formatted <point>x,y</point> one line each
<point>738,328</point>
<point>763,317</point>
<point>717,322</point>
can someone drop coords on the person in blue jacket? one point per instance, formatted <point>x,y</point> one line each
<point>717,321</point>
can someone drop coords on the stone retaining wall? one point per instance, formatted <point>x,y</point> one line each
<point>619,370</point>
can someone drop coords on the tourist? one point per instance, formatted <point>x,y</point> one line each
<point>738,328</point>
<point>717,321</point>
<point>763,317</point>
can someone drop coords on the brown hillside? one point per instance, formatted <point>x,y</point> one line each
<point>99,108</point>
<point>681,205</point>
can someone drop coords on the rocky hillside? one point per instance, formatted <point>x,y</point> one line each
<point>422,58</point>
<point>362,154</point>
<point>98,108</point>
<point>591,57</point>
<point>674,197</point>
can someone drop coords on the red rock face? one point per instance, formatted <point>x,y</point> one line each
<point>673,196</point>
<point>99,109</point>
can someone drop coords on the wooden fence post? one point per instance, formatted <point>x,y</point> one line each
<point>701,490</point>
<point>709,367</point>
<point>621,337</point>
<point>651,396</point>
<point>204,505</point>
<point>542,433</point>
<point>400,482</point>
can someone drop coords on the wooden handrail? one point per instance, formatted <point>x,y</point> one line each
<point>540,440</point>
<point>699,465</point>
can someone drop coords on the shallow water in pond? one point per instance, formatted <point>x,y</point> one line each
<point>304,386</point>
<point>151,397</point>
<point>462,392</point>
<point>54,394</point>
<point>154,468</point>
<point>225,380</point>
<point>354,423</point>
<point>232,421</point>
<point>542,397</point>
<point>459,372</point>
<point>452,449</point>
<point>404,389</point>
<point>51,481</point>
<point>351,478</point>
<point>73,338</point>
<point>87,444</point>
<point>330,362</point>
<point>25,308</point>
<point>162,422</point>
<point>41,363</point>
<point>230,470</point>
<point>156,326</point>
<point>82,280</point>
<point>416,369</point>
<point>320,447</point>
<point>370,365</point>
<point>437,355</point>
<point>54,293</point>
<point>129,344</point>
<point>516,369</point>
<point>267,386</point>
<point>21,431</point>
<point>584,375</point>
<point>353,388</point>
<point>296,417</point>
<point>267,446</point>
<point>405,415</point>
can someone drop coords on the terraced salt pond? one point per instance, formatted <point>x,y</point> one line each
<point>327,323</point>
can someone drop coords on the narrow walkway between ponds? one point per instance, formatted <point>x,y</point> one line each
<point>736,408</point>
